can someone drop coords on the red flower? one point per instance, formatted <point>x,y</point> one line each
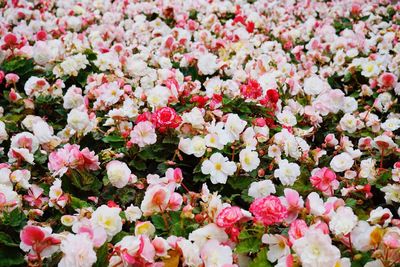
<point>251,90</point>
<point>165,118</point>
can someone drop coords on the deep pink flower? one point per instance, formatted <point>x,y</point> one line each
<point>252,89</point>
<point>325,180</point>
<point>268,210</point>
<point>165,118</point>
<point>229,216</point>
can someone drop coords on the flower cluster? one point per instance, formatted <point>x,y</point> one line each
<point>200,133</point>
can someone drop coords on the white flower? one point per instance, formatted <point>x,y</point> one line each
<point>158,96</point>
<point>278,246</point>
<point>215,255</point>
<point>367,169</point>
<point>3,132</point>
<point>350,104</point>
<point>376,216</point>
<point>73,98</point>
<point>316,204</point>
<point>190,253</point>
<point>194,118</point>
<point>348,123</point>
<point>207,64</point>
<point>261,189</point>
<point>133,213</point>
<point>42,131</point>
<point>78,251</point>
<point>234,126</point>
<point>9,196</point>
<point>219,168</point>
<point>361,236</point>
<point>392,193</point>
<point>136,67</point>
<point>287,172</point>
<point>143,134</point>
<point>78,120</point>
<point>210,231</point>
<point>316,249</point>
<point>391,124</point>
<point>213,140</point>
<point>249,159</point>
<point>313,85</point>
<point>286,118</point>
<point>198,146</point>
<point>341,162</point>
<point>343,221</point>
<point>118,173</point>
<point>369,69</point>
<point>107,218</point>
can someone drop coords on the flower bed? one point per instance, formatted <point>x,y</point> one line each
<point>199,133</point>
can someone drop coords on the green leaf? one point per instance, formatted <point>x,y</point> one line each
<point>118,237</point>
<point>85,180</point>
<point>102,256</point>
<point>77,203</point>
<point>158,222</point>
<point>113,139</point>
<point>11,257</point>
<point>261,259</point>
<point>239,182</point>
<point>16,219</point>
<point>138,165</point>
<point>351,202</point>
<point>248,245</point>
<point>5,239</point>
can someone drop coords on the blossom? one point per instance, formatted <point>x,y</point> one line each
<point>215,254</point>
<point>313,85</point>
<point>38,241</point>
<point>278,246</point>
<point>268,210</point>
<point>324,180</point>
<point>107,218</point>
<point>341,162</point>
<point>143,134</point>
<point>228,216</point>
<point>78,251</point>
<point>133,213</point>
<point>287,172</point>
<point>207,64</point>
<point>119,173</point>
<point>343,221</point>
<point>316,249</point>
<point>261,189</point>
<point>218,167</point>
<point>381,216</point>
<point>249,159</point>
<point>165,118</point>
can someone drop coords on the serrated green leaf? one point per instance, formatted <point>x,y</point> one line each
<point>261,259</point>
<point>6,240</point>
<point>247,245</point>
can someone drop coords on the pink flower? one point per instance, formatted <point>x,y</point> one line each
<point>325,180</point>
<point>71,157</point>
<point>38,241</point>
<point>297,230</point>
<point>293,202</point>
<point>387,80</point>
<point>229,216</point>
<point>268,210</point>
